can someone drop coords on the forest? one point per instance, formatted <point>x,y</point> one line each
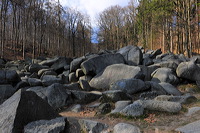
<point>45,27</point>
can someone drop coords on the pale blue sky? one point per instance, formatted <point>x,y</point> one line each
<point>92,7</point>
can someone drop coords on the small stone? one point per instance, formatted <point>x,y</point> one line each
<point>104,108</point>
<point>76,108</point>
<point>125,128</point>
<point>135,109</point>
<point>120,105</point>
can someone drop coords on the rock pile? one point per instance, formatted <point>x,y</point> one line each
<point>38,88</point>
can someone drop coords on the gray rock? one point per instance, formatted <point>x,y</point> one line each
<point>74,126</point>
<point>36,67</point>
<point>21,109</point>
<point>9,77</point>
<point>170,89</point>
<point>73,86</point>
<point>155,87</point>
<point>120,105</point>
<point>21,84</point>
<point>52,73</point>
<point>72,77</point>
<point>155,53</point>
<point>190,128</point>
<point>86,77</point>
<point>188,70</point>
<point>79,73</point>
<point>164,75</point>
<point>67,67</point>
<point>112,74</point>
<point>166,106</point>
<point>6,91</point>
<point>84,85</point>
<point>34,82</point>
<point>129,86</point>
<point>147,61</point>
<point>170,56</point>
<point>64,77</point>
<point>97,64</point>
<point>161,56</point>
<point>89,126</point>
<point>33,75</point>
<point>148,95</point>
<point>59,64</point>
<point>192,111</point>
<point>170,64</point>
<point>125,128</point>
<point>132,54</point>
<point>49,62</point>
<point>135,109</point>
<point>104,108</point>
<point>148,70</point>
<point>85,97</point>
<point>76,108</point>
<point>56,95</point>
<point>114,96</point>
<point>2,61</point>
<point>56,125</point>
<point>48,80</point>
<point>75,64</point>
<point>185,99</point>
<point>40,72</point>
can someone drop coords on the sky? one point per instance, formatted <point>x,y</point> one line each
<point>92,7</point>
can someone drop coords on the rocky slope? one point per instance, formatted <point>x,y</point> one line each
<point>36,95</point>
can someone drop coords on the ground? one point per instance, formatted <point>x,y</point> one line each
<point>151,122</point>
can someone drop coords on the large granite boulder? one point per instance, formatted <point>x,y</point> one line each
<point>49,62</point>
<point>190,128</point>
<point>193,110</point>
<point>155,53</point>
<point>185,99</point>
<point>22,108</point>
<point>34,68</point>
<point>114,73</point>
<point>83,97</point>
<point>125,128</point>
<point>134,109</point>
<point>166,106</point>
<point>56,125</point>
<point>170,89</point>
<point>148,70</point>
<point>6,91</point>
<point>75,64</point>
<point>189,70</point>
<point>59,64</point>
<point>56,95</point>
<point>9,77</point>
<point>48,80</point>
<point>132,54</point>
<point>114,96</point>
<point>129,86</point>
<point>164,75</point>
<point>155,87</point>
<point>172,64</point>
<point>90,126</point>
<point>97,64</point>
<point>120,105</point>
<point>34,82</point>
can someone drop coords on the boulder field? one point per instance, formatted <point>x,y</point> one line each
<point>127,82</point>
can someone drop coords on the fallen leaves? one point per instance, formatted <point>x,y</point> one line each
<point>151,118</point>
